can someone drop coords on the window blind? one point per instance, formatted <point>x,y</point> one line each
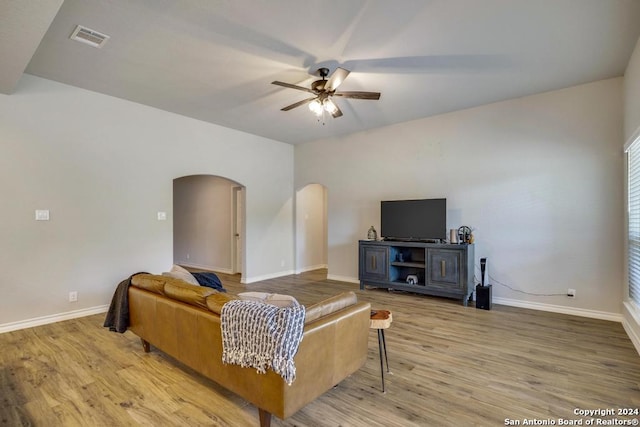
<point>633,171</point>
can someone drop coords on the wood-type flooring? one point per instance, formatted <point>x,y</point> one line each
<point>451,366</point>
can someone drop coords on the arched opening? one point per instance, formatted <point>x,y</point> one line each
<point>311,228</point>
<point>209,223</point>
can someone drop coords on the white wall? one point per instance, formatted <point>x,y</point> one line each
<point>203,222</point>
<point>311,228</point>
<point>632,95</point>
<point>539,178</point>
<point>631,311</point>
<point>104,167</point>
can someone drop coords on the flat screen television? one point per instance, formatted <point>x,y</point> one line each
<point>422,220</point>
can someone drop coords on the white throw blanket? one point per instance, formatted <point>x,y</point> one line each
<point>262,336</point>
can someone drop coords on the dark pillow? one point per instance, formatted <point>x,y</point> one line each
<point>210,280</point>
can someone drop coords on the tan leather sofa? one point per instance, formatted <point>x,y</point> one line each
<point>183,321</point>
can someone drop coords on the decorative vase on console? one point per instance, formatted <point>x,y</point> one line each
<point>372,234</point>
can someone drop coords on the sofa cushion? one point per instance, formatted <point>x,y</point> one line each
<point>217,300</point>
<point>278,300</point>
<point>178,272</point>
<point>187,293</point>
<point>178,269</point>
<point>149,282</point>
<point>187,277</point>
<point>330,305</point>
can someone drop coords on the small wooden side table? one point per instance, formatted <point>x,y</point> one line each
<point>381,320</point>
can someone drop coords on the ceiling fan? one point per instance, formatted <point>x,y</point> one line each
<point>323,90</point>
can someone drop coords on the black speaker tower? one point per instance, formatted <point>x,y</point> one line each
<point>483,293</point>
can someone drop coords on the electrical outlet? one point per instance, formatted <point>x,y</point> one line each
<point>571,293</point>
<point>73,296</point>
<point>42,215</point>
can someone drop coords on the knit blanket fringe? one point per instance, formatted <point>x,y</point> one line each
<point>262,336</point>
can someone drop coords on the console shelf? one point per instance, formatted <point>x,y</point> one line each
<point>441,269</point>
<point>408,264</point>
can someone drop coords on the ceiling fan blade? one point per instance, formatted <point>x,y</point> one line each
<point>432,64</point>
<point>337,112</point>
<point>359,95</point>
<point>336,79</point>
<point>297,104</point>
<point>290,86</point>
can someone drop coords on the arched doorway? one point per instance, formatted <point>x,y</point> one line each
<point>208,223</point>
<point>311,228</point>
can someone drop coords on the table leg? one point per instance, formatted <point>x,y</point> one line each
<point>384,345</point>
<point>380,340</point>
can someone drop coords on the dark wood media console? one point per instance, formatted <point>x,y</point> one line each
<point>441,269</point>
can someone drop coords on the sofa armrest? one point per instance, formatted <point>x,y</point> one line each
<point>330,305</point>
<point>333,347</point>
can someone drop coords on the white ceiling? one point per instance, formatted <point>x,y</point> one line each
<point>214,60</point>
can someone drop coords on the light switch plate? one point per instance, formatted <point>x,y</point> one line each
<point>42,215</point>
<point>162,216</point>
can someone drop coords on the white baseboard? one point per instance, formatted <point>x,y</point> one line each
<point>207,267</point>
<point>635,340</point>
<point>311,268</point>
<point>594,314</point>
<point>616,317</point>
<point>44,320</point>
<point>602,315</point>
<point>631,324</point>
<point>347,279</point>
<point>249,280</point>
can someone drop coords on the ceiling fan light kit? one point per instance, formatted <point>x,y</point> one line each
<point>318,106</point>
<point>323,90</point>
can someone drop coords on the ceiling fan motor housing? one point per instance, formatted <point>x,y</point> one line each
<point>318,85</point>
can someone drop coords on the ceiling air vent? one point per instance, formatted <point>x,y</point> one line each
<point>89,36</point>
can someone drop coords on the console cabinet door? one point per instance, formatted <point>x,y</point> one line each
<point>374,262</point>
<point>444,267</point>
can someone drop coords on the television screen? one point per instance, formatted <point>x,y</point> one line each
<point>424,219</point>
